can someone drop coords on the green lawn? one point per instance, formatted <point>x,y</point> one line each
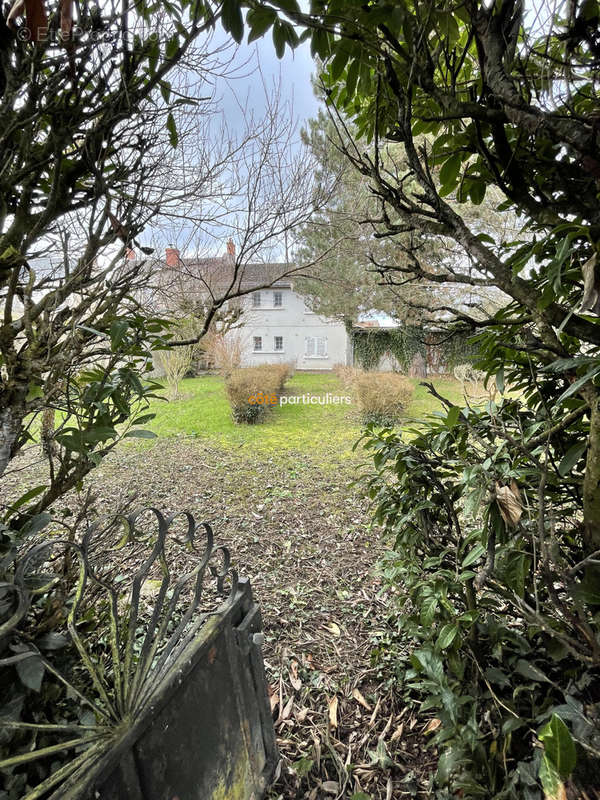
<point>202,410</point>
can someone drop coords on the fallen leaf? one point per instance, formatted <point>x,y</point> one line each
<point>333,708</point>
<point>301,715</point>
<point>375,712</point>
<point>317,752</point>
<point>432,725</point>
<point>273,698</point>
<point>508,499</point>
<point>287,711</point>
<point>330,787</point>
<point>294,679</point>
<point>591,286</point>
<point>360,699</point>
<point>334,628</point>
<point>397,733</point>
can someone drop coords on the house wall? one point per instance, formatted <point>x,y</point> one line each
<point>295,322</point>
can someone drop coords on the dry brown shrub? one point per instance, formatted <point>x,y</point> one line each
<point>225,352</point>
<point>346,374</point>
<point>253,390</point>
<point>382,397</point>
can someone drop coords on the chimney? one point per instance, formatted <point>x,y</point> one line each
<point>172,256</point>
<point>230,247</point>
<point>130,254</point>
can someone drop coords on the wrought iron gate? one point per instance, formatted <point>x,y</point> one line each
<point>179,694</point>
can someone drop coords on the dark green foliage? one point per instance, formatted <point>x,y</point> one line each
<point>500,618</point>
<point>451,347</point>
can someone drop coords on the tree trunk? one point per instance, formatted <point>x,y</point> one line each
<point>591,483</point>
<point>12,413</point>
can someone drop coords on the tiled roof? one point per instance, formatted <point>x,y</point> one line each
<point>219,273</point>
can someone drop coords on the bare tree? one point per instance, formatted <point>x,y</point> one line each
<point>88,126</point>
<point>268,188</point>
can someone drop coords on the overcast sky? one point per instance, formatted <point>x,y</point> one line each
<point>253,73</point>
<point>294,72</point>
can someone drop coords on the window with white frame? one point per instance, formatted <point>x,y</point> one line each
<point>257,344</point>
<point>279,343</point>
<point>316,347</point>
<point>277,299</point>
<point>256,299</point>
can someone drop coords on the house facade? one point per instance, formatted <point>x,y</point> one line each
<point>272,322</point>
<point>275,324</point>
<point>278,326</point>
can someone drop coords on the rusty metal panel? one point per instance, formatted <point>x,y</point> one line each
<point>209,734</point>
<point>197,746</point>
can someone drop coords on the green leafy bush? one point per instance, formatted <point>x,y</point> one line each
<point>501,603</point>
<point>382,397</point>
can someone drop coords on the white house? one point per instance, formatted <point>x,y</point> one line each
<point>279,326</point>
<point>275,324</point>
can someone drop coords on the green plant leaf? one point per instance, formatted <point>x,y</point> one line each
<point>452,417</point>
<point>428,609</point>
<point>259,21</point>
<point>550,779</point>
<point>233,21</point>
<point>172,128</point>
<point>579,383</point>
<point>36,523</point>
<point>25,498</point>
<point>339,61</point>
<point>31,671</point>
<point>559,747</point>
<point>143,419</point>
<point>447,635</point>
<point>500,380</point>
<point>140,434</point>
<point>513,569</point>
<point>571,458</point>
<point>530,671</point>
<point>449,172</point>
<point>279,39</point>
<point>474,555</point>
<point>172,46</point>
<point>165,90</point>
<point>477,188</point>
<point>303,766</point>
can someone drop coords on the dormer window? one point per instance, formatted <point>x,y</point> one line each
<point>256,299</point>
<point>277,299</point>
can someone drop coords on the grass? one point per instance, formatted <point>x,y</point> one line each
<point>202,411</point>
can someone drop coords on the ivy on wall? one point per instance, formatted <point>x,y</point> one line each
<point>446,348</point>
